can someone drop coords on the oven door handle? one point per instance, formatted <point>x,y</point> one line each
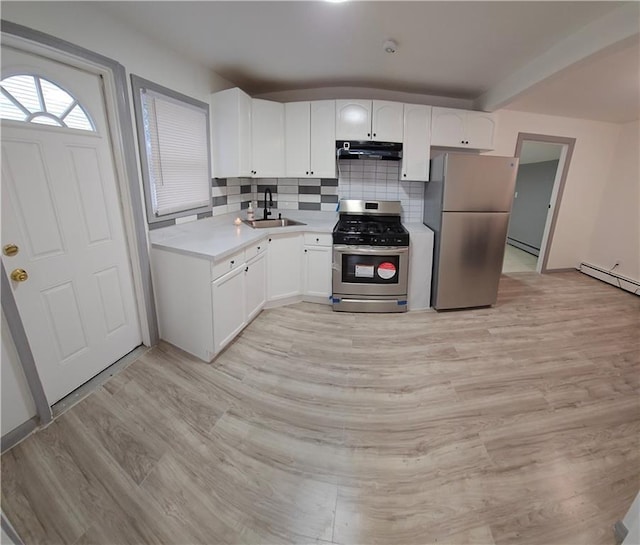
<point>368,250</point>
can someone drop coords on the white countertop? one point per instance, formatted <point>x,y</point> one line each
<point>218,237</point>
<point>416,228</point>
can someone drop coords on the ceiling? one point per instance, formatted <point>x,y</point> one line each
<point>453,49</point>
<point>605,88</point>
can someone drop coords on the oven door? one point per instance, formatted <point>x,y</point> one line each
<point>370,270</point>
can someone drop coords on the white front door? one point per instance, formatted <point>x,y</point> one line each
<point>61,208</point>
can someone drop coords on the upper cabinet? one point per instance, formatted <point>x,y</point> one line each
<point>267,139</point>
<point>231,133</point>
<point>377,120</point>
<point>462,129</point>
<point>310,139</point>
<point>387,121</point>
<point>416,148</point>
<point>481,130</point>
<point>323,139</point>
<point>353,120</point>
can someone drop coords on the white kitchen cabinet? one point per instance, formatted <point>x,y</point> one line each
<point>228,303</point>
<point>284,266</point>
<point>416,148</point>
<point>182,290</point>
<point>310,139</point>
<point>387,121</point>
<point>481,128</point>
<point>323,139</point>
<point>462,129</point>
<point>297,139</point>
<point>353,120</point>
<point>203,305</point>
<point>377,120</point>
<point>267,139</point>
<point>317,267</point>
<point>255,285</point>
<point>231,134</point>
<point>318,248</point>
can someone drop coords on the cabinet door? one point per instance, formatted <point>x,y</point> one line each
<point>228,299</point>
<point>317,269</point>
<point>231,134</point>
<point>267,139</point>
<point>297,139</point>
<point>284,266</point>
<point>416,148</point>
<point>353,120</point>
<point>323,139</point>
<point>387,121</point>
<point>448,127</point>
<point>481,129</point>
<point>255,285</point>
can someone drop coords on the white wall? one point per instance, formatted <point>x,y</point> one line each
<point>616,232</point>
<point>86,25</point>
<point>587,181</point>
<point>17,403</point>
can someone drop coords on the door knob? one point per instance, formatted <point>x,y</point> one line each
<point>10,250</point>
<point>19,275</point>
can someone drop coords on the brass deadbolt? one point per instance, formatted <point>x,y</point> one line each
<point>10,250</point>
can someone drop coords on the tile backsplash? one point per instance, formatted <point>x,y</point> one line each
<point>234,194</point>
<point>231,194</point>
<point>376,179</point>
<point>357,179</point>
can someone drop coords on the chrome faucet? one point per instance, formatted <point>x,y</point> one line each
<point>267,211</point>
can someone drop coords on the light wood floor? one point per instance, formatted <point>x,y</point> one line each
<point>518,424</point>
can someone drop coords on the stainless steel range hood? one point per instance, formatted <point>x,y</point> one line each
<point>357,149</point>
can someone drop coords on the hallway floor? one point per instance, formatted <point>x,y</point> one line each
<point>517,260</point>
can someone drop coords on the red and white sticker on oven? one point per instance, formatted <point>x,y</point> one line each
<point>386,270</point>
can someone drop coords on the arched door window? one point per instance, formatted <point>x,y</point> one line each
<point>33,99</point>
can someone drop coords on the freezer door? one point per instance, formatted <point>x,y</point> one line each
<point>470,259</point>
<point>479,183</point>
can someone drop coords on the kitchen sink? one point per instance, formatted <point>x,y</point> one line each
<point>282,222</point>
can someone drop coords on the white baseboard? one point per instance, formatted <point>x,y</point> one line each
<point>610,277</point>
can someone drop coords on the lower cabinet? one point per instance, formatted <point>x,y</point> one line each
<point>202,306</point>
<point>255,285</point>
<point>284,266</point>
<point>317,265</point>
<point>228,303</point>
<point>236,298</point>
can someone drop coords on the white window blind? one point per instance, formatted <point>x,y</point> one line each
<point>177,154</point>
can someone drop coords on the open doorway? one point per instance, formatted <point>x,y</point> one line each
<point>544,162</point>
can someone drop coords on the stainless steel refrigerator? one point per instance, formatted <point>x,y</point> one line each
<point>467,204</point>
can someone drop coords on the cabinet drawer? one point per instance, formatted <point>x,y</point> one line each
<point>318,239</point>
<point>228,264</point>
<point>256,249</point>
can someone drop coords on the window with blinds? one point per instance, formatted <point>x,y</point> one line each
<point>174,147</point>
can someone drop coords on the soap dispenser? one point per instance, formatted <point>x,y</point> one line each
<point>251,216</point>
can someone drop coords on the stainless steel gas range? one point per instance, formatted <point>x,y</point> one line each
<point>370,257</point>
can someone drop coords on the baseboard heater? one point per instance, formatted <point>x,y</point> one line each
<point>523,246</point>
<point>610,277</point>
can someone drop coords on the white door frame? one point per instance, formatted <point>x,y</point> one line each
<point>557,191</point>
<point>124,148</point>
